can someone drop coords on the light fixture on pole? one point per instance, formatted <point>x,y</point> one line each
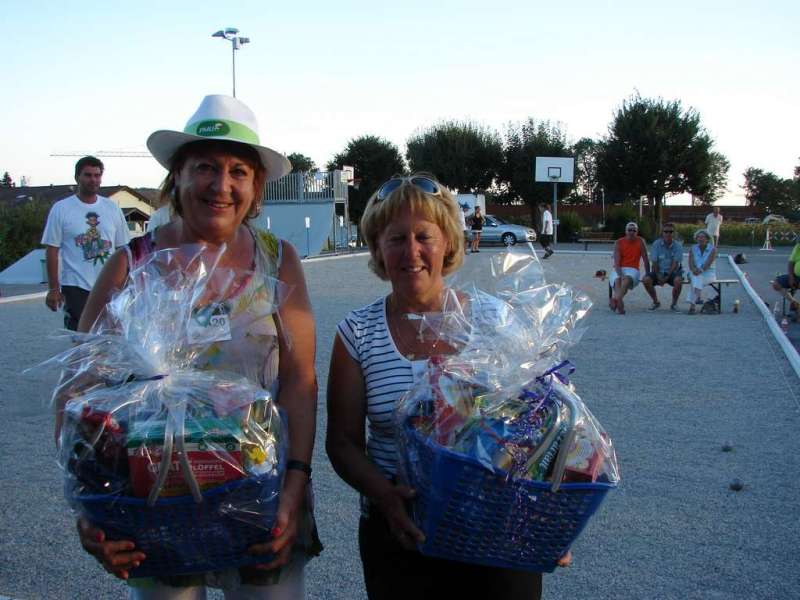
<point>603,196</point>
<point>232,35</point>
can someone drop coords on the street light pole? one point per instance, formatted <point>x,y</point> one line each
<point>233,67</point>
<point>603,196</point>
<point>231,34</point>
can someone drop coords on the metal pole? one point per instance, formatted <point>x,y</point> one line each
<point>603,195</point>
<point>233,62</point>
<point>334,226</point>
<point>555,212</point>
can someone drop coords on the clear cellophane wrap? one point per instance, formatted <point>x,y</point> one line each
<point>140,421</point>
<point>502,396</point>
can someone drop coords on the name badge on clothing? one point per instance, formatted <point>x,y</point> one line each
<point>210,323</point>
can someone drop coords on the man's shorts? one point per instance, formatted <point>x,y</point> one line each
<point>626,272</point>
<point>74,301</point>
<point>783,281</point>
<point>670,280</point>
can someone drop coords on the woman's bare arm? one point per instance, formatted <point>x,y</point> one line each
<point>346,446</point>
<point>297,396</point>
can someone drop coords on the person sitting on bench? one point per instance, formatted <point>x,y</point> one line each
<point>789,283</point>
<point>702,260</point>
<point>629,251</point>
<point>666,256</point>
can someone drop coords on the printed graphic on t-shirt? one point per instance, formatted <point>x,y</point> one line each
<point>94,248</point>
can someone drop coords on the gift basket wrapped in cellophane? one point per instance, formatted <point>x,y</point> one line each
<point>507,461</point>
<point>186,463</point>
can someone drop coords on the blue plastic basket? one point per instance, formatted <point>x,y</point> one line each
<point>471,514</point>
<point>179,535</point>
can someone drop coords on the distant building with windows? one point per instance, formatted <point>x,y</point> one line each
<point>136,205</point>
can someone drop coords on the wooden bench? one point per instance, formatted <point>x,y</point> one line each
<point>596,237</point>
<point>716,286</point>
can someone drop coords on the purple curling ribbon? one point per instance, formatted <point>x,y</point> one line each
<point>527,435</point>
<point>556,372</point>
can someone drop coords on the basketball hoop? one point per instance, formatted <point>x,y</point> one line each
<point>348,175</point>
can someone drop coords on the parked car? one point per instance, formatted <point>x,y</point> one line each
<point>752,221</point>
<point>774,219</point>
<point>497,231</point>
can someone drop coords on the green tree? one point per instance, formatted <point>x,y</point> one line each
<point>654,148</point>
<point>301,163</point>
<point>375,160</point>
<point>770,192</point>
<point>523,143</point>
<point>7,181</point>
<point>21,229</point>
<point>716,179</point>
<point>463,155</point>
<point>586,188</point>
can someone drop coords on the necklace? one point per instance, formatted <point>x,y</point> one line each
<point>408,330</point>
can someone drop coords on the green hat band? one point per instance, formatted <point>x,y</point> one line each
<point>221,128</point>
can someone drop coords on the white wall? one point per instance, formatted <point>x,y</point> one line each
<point>125,199</point>
<point>287,221</point>
<point>27,269</point>
<point>472,200</point>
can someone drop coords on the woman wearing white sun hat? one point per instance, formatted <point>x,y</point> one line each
<point>217,168</point>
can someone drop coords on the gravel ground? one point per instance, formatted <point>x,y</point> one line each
<point>670,389</point>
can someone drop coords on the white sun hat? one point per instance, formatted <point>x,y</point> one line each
<point>219,118</point>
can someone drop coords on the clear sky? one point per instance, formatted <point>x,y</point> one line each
<point>102,76</point>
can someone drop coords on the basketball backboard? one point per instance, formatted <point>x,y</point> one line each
<point>348,174</point>
<point>552,169</point>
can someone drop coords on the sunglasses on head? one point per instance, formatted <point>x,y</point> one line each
<point>426,184</point>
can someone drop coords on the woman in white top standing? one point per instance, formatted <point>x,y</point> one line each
<point>702,267</point>
<point>415,239</point>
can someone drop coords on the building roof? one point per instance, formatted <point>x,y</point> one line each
<point>135,214</point>
<point>52,193</point>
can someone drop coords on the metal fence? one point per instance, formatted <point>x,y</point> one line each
<point>322,186</point>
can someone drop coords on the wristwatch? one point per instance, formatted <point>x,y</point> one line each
<point>299,465</point>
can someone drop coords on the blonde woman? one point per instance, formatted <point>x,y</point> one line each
<point>415,239</point>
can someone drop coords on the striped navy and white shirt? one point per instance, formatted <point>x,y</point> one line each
<point>387,376</point>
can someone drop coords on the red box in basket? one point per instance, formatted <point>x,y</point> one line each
<point>213,450</point>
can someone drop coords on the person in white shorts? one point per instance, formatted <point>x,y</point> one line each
<point>629,251</point>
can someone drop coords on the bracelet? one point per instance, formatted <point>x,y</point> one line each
<point>299,465</point>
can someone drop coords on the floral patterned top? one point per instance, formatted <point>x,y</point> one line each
<point>252,350</point>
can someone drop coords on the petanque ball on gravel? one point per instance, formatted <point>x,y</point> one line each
<point>737,485</point>
<point>727,447</point>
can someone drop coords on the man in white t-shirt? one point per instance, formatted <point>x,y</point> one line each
<point>713,223</point>
<point>546,232</point>
<point>83,230</point>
